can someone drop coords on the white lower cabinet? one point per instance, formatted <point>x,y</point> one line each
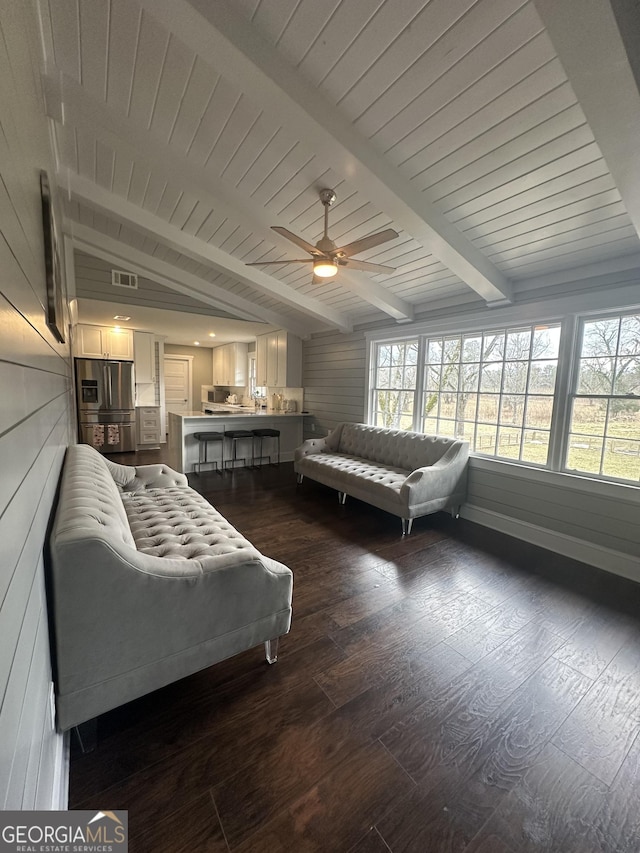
<point>148,426</point>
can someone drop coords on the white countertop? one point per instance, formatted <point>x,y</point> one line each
<point>239,413</point>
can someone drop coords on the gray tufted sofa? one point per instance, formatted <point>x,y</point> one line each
<point>149,583</point>
<point>405,473</point>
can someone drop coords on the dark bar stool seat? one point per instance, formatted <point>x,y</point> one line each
<point>261,434</point>
<point>236,435</point>
<point>203,439</point>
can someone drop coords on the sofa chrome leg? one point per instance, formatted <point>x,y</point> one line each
<point>271,650</point>
<point>300,478</point>
<point>342,497</point>
<point>455,511</point>
<point>407,523</point>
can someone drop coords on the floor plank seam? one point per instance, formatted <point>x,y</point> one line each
<point>215,808</point>
<point>391,755</point>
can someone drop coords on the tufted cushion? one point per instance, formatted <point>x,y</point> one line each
<point>179,523</point>
<point>92,507</point>
<point>349,471</point>
<point>394,447</point>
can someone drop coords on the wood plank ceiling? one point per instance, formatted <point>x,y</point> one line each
<point>185,128</point>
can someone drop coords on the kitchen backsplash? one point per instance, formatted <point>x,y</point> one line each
<point>293,396</point>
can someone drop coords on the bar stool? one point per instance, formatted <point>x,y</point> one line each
<point>261,434</point>
<point>203,439</point>
<point>237,435</point>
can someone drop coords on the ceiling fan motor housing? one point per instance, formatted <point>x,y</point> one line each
<point>326,245</point>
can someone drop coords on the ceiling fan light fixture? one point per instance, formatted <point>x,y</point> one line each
<point>325,268</point>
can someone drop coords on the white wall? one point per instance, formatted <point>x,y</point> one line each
<point>589,520</point>
<point>35,427</point>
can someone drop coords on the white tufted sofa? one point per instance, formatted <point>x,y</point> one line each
<point>149,583</point>
<point>405,473</point>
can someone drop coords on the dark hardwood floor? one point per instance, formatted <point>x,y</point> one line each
<point>455,690</point>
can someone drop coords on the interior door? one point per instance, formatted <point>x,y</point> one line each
<point>177,385</point>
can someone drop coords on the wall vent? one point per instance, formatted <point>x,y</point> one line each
<point>119,278</point>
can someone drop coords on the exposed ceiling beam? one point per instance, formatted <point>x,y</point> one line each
<point>226,40</point>
<point>125,136</point>
<point>123,211</point>
<point>113,251</point>
<point>587,40</point>
<point>599,268</point>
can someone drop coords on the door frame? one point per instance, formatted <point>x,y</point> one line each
<point>189,360</point>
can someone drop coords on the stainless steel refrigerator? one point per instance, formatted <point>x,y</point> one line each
<point>106,404</point>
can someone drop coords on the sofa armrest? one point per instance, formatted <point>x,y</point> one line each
<point>155,477</point>
<point>439,480</point>
<point>312,445</point>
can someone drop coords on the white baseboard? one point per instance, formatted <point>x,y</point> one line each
<point>60,788</point>
<point>569,546</point>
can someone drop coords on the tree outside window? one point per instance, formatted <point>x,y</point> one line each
<point>494,389</point>
<point>604,433</point>
<point>395,384</point>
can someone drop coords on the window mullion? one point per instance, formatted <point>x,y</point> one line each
<point>566,382</point>
<point>418,398</point>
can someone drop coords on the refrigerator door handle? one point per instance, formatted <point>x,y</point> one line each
<point>107,384</point>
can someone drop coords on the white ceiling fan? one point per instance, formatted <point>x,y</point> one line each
<point>326,257</point>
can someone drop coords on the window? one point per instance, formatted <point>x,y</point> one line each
<point>524,392</point>
<point>494,389</point>
<point>394,384</point>
<point>604,431</point>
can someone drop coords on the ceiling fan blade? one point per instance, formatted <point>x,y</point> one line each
<point>284,261</point>
<point>367,242</point>
<point>365,265</point>
<point>308,247</point>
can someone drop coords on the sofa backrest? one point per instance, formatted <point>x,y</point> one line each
<point>90,506</point>
<point>396,447</point>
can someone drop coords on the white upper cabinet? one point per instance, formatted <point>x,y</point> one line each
<point>261,360</point>
<point>103,342</point>
<point>144,356</point>
<point>279,360</point>
<point>230,364</point>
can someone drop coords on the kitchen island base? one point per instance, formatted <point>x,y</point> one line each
<point>183,445</point>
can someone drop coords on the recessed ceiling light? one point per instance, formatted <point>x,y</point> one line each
<point>212,334</point>
<point>121,317</point>
<point>196,343</point>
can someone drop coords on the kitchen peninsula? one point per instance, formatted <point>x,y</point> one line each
<point>183,447</point>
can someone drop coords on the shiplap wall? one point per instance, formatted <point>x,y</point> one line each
<point>35,428</point>
<point>592,521</point>
<point>333,380</point>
